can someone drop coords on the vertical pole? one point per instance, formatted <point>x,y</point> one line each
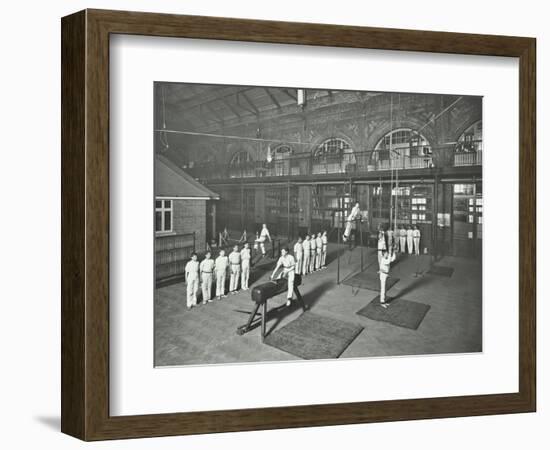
<point>194,246</point>
<point>338,255</point>
<point>288,212</point>
<point>361,241</point>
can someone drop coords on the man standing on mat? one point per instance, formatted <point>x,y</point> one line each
<point>221,270</point>
<point>298,254</point>
<point>234,270</point>
<point>288,263</point>
<point>306,245</point>
<point>206,268</point>
<point>245,266</point>
<point>382,247</point>
<point>192,280</point>
<point>384,271</point>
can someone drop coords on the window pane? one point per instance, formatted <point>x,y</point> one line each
<point>167,221</point>
<point>158,204</point>
<point>168,204</point>
<point>158,221</point>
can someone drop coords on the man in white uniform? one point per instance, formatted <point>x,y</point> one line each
<point>220,268</point>
<point>245,266</point>
<point>389,234</point>
<point>384,271</point>
<point>264,235</point>
<point>206,268</point>
<point>288,263</point>
<point>382,247</point>
<point>416,238</point>
<point>312,253</point>
<point>299,255</point>
<point>234,270</point>
<point>354,214</point>
<point>402,239</point>
<point>192,280</point>
<point>319,255</point>
<point>306,245</point>
<point>324,240</point>
<point>410,240</point>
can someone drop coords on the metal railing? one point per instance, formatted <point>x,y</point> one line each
<point>306,164</point>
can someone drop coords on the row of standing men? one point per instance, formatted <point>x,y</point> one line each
<point>405,239</point>
<point>309,253</point>
<point>236,265</point>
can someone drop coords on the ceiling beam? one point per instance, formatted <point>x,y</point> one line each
<point>272,97</point>
<point>212,112</point>
<point>250,103</point>
<point>290,94</point>
<point>231,107</point>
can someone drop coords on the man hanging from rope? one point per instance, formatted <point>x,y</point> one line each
<point>354,215</point>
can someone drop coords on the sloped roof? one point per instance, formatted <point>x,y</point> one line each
<point>171,181</point>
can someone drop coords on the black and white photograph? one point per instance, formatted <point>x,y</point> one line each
<point>304,223</point>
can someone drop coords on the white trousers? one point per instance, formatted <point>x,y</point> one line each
<point>192,288</point>
<point>383,278</point>
<point>324,256</point>
<point>305,269</point>
<point>290,277</point>
<point>245,273</point>
<point>417,245</point>
<point>299,258</point>
<point>235,273</point>
<point>206,286</point>
<point>318,257</point>
<point>347,231</point>
<point>410,245</point>
<point>402,241</point>
<point>312,260</point>
<point>220,283</point>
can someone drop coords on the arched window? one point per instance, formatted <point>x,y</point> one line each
<point>241,165</point>
<point>403,148</point>
<point>469,147</point>
<point>283,163</point>
<point>333,156</point>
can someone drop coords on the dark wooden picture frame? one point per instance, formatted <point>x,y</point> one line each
<point>85,224</point>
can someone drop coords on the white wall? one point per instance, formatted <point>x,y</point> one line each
<point>30,225</point>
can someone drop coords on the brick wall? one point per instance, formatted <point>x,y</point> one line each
<point>190,216</point>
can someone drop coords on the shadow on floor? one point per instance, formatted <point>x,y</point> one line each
<point>52,422</point>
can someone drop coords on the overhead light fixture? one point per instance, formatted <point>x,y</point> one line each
<point>301,97</point>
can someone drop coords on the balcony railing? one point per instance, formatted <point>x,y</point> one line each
<point>468,158</point>
<point>305,164</point>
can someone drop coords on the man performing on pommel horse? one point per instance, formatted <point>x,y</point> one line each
<point>262,293</point>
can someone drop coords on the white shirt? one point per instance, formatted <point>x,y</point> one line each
<point>354,213</point>
<point>319,243</point>
<point>265,233</point>
<point>324,239</point>
<point>287,261</point>
<point>298,248</point>
<point>221,263</point>
<point>207,265</point>
<point>306,245</point>
<point>416,233</point>
<point>245,255</point>
<point>192,269</point>
<point>409,233</point>
<point>385,262</point>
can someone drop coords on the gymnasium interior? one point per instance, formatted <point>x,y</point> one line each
<point>229,159</point>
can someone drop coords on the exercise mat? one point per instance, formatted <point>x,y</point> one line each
<point>312,336</point>
<point>400,312</point>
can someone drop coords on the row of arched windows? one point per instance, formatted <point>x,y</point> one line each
<point>400,148</point>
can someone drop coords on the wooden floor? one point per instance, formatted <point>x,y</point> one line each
<point>207,334</point>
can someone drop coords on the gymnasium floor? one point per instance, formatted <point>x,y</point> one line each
<point>207,333</point>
